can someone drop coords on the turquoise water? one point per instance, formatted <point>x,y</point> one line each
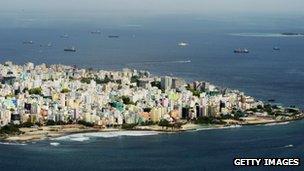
<point>199,150</point>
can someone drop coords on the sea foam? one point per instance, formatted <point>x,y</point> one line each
<point>86,136</point>
<point>279,123</point>
<point>54,143</point>
<point>10,143</point>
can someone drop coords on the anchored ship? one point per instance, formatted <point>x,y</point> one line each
<point>96,32</point>
<point>71,49</point>
<point>28,42</point>
<point>113,36</point>
<point>65,36</point>
<point>183,44</point>
<point>239,50</point>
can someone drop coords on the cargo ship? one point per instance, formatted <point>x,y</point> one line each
<point>65,36</point>
<point>96,32</point>
<point>113,36</point>
<point>71,49</point>
<point>239,50</point>
<point>183,44</point>
<point>28,42</point>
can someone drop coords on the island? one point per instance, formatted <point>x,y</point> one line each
<point>39,102</point>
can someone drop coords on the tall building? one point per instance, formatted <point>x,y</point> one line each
<point>166,83</point>
<point>177,83</point>
<point>155,114</point>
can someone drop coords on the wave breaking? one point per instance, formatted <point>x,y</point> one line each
<point>87,136</point>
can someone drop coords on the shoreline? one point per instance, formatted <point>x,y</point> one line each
<point>156,101</point>
<point>50,132</point>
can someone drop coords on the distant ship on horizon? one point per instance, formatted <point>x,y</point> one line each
<point>28,42</point>
<point>183,44</point>
<point>71,49</point>
<point>64,36</point>
<point>50,44</point>
<point>239,50</point>
<point>113,36</point>
<point>96,32</point>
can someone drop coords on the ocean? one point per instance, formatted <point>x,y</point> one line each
<point>152,44</point>
<point>192,150</point>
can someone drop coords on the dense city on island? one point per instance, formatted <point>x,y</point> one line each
<point>58,94</point>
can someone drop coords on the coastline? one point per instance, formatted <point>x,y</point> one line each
<point>51,132</point>
<point>206,105</point>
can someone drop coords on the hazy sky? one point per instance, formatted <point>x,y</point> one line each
<point>160,6</point>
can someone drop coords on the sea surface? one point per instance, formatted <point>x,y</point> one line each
<point>193,150</point>
<point>152,44</point>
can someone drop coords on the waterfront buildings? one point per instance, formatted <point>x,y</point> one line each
<point>59,93</point>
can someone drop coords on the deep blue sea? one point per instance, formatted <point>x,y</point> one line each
<point>151,43</point>
<point>198,150</point>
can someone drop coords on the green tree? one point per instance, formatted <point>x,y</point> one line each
<point>86,80</point>
<point>27,124</point>
<point>50,122</point>
<point>194,91</point>
<point>106,80</point>
<point>65,90</point>
<point>10,129</point>
<point>164,123</point>
<point>37,90</point>
<point>84,123</point>
<point>128,126</point>
<point>126,100</point>
<point>156,84</point>
<point>135,79</point>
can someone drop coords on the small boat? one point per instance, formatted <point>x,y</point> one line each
<point>96,32</point>
<point>271,100</point>
<point>65,36</point>
<point>72,49</point>
<point>28,42</point>
<point>49,44</point>
<point>290,34</point>
<point>276,48</point>
<point>288,146</point>
<point>183,44</point>
<point>113,36</point>
<point>239,50</point>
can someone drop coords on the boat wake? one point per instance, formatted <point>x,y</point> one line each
<point>86,136</point>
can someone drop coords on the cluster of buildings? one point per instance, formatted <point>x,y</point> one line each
<point>40,93</point>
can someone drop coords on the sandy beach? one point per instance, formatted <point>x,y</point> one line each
<point>48,132</point>
<point>45,132</point>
